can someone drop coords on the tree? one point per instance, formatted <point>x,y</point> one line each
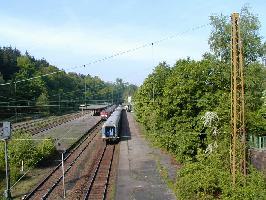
<point>253,51</point>
<point>43,102</point>
<point>8,62</point>
<point>189,89</point>
<point>68,88</point>
<point>34,87</point>
<point>46,148</point>
<point>220,37</point>
<point>1,78</point>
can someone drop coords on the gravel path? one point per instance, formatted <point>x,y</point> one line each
<point>138,175</point>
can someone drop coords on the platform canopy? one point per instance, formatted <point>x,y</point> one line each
<point>94,107</point>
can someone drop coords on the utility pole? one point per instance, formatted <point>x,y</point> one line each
<point>5,135</point>
<point>238,136</point>
<point>59,102</point>
<point>85,89</point>
<point>63,176</point>
<point>7,191</point>
<point>16,112</point>
<point>112,96</point>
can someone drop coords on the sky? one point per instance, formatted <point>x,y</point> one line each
<point>70,34</point>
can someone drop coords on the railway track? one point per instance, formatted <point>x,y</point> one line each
<point>98,182</point>
<point>37,126</point>
<point>45,188</point>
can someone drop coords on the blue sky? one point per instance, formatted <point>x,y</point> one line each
<point>69,34</point>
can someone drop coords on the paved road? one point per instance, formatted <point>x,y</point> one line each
<point>138,177</point>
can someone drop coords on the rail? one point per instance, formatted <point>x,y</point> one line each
<point>97,186</point>
<point>70,151</point>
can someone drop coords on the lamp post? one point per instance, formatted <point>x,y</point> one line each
<point>112,95</point>
<point>63,172</point>
<point>5,135</point>
<point>59,102</point>
<point>85,89</point>
<point>16,112</point>
<point>7,191</point>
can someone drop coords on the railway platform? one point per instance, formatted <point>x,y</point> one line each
<point>138,174</point>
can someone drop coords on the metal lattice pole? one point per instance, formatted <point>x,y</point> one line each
<point>238,145</point>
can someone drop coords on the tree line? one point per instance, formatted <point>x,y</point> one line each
<point>58,92</point>
<point>185,109</point>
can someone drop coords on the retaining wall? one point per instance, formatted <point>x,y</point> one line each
<point>258,158</point>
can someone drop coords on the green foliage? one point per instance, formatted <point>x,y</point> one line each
<point>46,148</point>
<point>1,78</point>
<point>22,148</point>
<point>8,62</point>
<point>62,91</point>
<point>249,28</point>
<point>172,101</point>
<point>27,70</point>
<point>2,156</point>
<point>182,94</point>
<point>42,102</point>
<point>208,179</point>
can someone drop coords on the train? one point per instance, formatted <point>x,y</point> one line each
<point>107,112</point>
<point>128,108</point>
<point>111,128</point>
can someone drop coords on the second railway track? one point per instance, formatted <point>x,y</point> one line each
<point>97,185</point>
<point>48,185</point>
<point>37,126</point>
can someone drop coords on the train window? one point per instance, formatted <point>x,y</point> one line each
<point>109,131</point>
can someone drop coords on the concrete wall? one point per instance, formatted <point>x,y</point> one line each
<point>258,158</point>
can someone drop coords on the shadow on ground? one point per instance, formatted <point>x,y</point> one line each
<point>125,130</point>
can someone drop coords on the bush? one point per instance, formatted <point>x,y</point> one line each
<point>22,148</point>
<point>46,148</point>
<point>208,179</point>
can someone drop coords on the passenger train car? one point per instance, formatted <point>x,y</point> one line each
<point>107,112</point>
<point>111,128</point>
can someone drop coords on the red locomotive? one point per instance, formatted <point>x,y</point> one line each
<point>107,112</point>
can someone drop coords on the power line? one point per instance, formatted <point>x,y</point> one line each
<point>102,60</point>
<point>114,55</point>
<point>28,79</point>
<point>6,97</point>
<point>31,167</point>
<point>147,44</point>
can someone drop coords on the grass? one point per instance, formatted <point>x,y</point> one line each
<point>29,182</point>
<point>2,183</point>
<point>164,174</point>
<point>112,195</point>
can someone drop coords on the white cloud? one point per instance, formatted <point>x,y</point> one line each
<point>93,42</point>
<point>59,37</point>
<point>66,45</point>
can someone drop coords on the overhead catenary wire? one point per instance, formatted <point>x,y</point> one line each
<point>32,100</point>
<point>31,167</point>
<point>113,55</point>
<point>148,44</point>
<point>28,79</point>
<point>98,61</point>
